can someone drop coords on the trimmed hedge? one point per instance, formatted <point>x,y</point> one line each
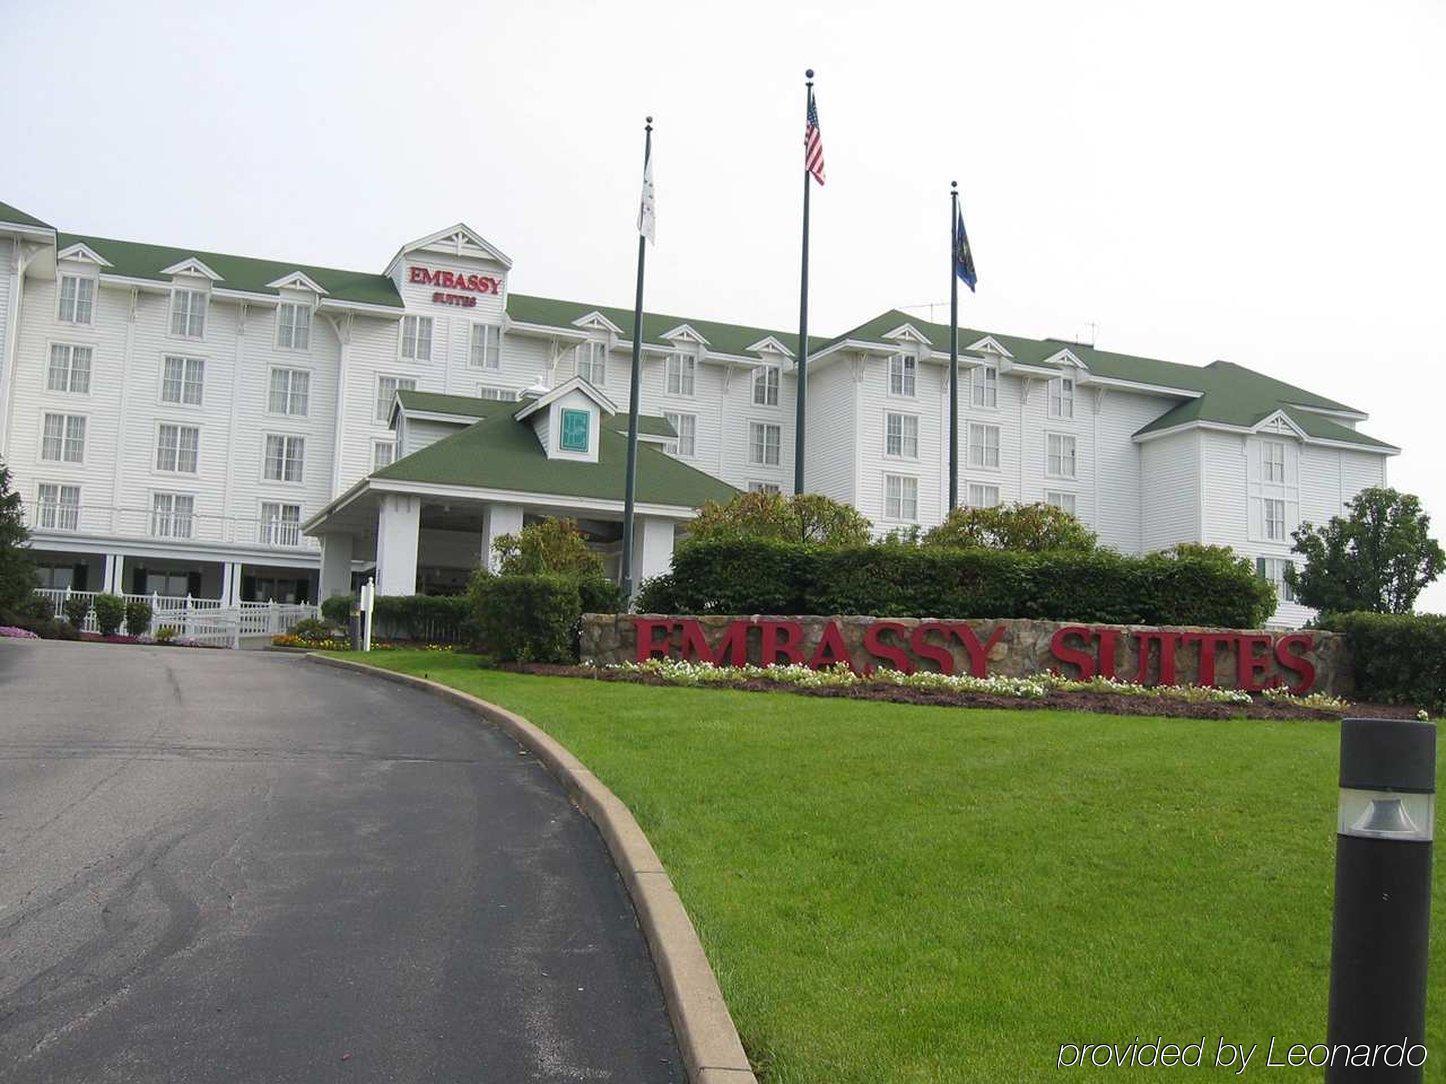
<point>438,619</point>
<point>337,609</point>
<point>138,617</point>
<point>110,611</point>
<point>893,580</point>
<point>529,618</point>
<point>1397,658</point>
<point>77,607</point>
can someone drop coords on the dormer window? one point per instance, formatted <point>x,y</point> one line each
<point>1272,461</point>
<point>765,385</point>
<point>1061,397</point>
<point>903,370</point>
<point>417,338</point>
<point>77,299</point>
<point>679,370</point>
<point>592,362</point>
<point>293,325</point>
<point>574,431</point>
<point>188,312</point>
<point>984,385</point>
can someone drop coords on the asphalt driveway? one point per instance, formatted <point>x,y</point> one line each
<point>238,866</point>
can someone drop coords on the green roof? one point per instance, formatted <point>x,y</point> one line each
<point>16,217</point>
<point>650,425</point>
<point>244,273</point>
<point>499,452</point>
<point>722,338</point>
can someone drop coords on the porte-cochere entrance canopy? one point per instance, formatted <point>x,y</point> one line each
<point>471,469</point>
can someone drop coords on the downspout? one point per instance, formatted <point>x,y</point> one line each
<point>342,329</point>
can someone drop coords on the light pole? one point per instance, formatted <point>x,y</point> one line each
<point>1384,828</point>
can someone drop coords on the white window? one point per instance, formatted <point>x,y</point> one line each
<point>280,524</point>
<point>177,448</point>
<point>77,299</point>
<point>1272,461</point>
<point>387,388</point>
<point>384,453</point>
<point>62,438</point>
<point>484,349</point>
<point>984,385</point>
<point>901,435</point>
<point>501,395</point>
<point>1273,570</point>
<point>980,495</point>
<point>188,312</point>
<point>172,514</point>
<point>417,338</point>
<point>1061,397</point>
<point>763,443</point>
<point>763,487</point>
<point>168,584</point>
<point>1060,455</point>
<point>69,368</point>
<point>678,372</point>
<point>1274,518</point>
<point>290,392</point>
<point>293,325</point>
<point>284,457</point>
<point>901,497</point>
<point>902,371</point>
<point>1058,498</point>
<point>983,445</point>
<point>182,380</point>
<point>686,426</point>
<point>57,507</point>
<point>765,385</point>
<point>592,363</point>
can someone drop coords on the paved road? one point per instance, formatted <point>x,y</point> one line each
<point>241,866</point>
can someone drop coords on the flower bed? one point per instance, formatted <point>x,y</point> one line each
<point>18,634</point>
<point>333,643</point>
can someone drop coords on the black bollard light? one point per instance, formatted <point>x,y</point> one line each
<point>1383,901</point>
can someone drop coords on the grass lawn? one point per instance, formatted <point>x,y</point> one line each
<point>899,893</point>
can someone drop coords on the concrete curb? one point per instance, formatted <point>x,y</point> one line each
<point>711,1048</point>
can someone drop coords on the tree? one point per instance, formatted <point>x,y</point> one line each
<point>17,574</point>
<point>1378,556</point>
<point>551,546</point>
<point>1030,528</point>
<point>807,517</point>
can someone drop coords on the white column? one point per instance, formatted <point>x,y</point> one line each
<point>652,547</point>
<point>398,523</point>
<point>115,573</point>
<point>107,579</point>
<point>231,583</point>
<point>335,566</point>
<point>497,520</point>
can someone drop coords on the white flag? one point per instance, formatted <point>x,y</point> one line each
<point>646,224</point>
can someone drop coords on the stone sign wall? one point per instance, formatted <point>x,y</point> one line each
<point>1303,661</point>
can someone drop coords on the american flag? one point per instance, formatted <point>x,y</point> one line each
<point>813,142</point>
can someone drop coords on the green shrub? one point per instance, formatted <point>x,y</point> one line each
<point>337,609</point>
<point>547,547</point>
<point>759,516</point>
<point>311,628</point>
<point>1397,658</point>
<point>110,611</point>
<point>76,607</point>
<point>51,628</point>
<point>600,596</point>
<point>165,634</point>
<point>893,580</point>
<point>1034,528</point>
<point>438,619</point>
<point>138,618</point>
<point>529,618</point>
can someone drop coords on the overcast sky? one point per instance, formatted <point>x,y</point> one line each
<point>1261,182</point>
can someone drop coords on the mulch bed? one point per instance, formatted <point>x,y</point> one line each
<point>1104,703</point>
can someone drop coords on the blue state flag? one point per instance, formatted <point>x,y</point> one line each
<point>963,254</point>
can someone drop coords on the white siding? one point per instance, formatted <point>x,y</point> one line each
<point>835,442</point>
<point>1170,468</point>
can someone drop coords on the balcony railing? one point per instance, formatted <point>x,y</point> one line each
<point>167,526</point>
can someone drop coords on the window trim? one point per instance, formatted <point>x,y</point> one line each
<point>910,366</point>
<point>156,448</point>
<point>998,494</point>
<point>93,279</point>
<point>1265,503</point>
<point>1266,445</point>
<point>161,399</point>
<point>40,504</point>
<point>598,351</point>
<point>762,370</point>
<point>563,414</point>
<point>490,331</point>
<point>676,444</point>
<point>377,391</point>
<point>190,516</point>
<point>979,385</point>
<point>267,480</point>
<point>1073,497</point>
<point>171,332</point>
<point>509,395</point>
<point>884,509</point>
<point>902,455</point>
<point>262,522</point>
<point>969,445</point>
<point>310,310</point>
<point>1074,458</point>
<point>287,367</point>
<point>759,485</point>
<point>1285,596</point>
<point>50,346</point>
<point>1058,383</point>
<point>431,338</point>
<point>687,366</point>
<point>40,432</point>
<point>378,442</point>
<point>765,425</point>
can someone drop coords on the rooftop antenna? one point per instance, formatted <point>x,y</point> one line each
<point>1094,333</point>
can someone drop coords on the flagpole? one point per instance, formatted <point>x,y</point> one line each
<point>631,485</point>
<point>953,348</point>
<point>801,394</point>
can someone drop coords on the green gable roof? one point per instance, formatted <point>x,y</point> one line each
<point>722,338</point>
<point>650,425</point>
<point>244,273</point>
<point>499,452</point>
<point>16,217</point>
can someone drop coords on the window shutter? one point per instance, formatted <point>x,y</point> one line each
<point>193,584</point>
<point>1257,518</point>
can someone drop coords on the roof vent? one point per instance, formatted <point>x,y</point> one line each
<point>537,389</point>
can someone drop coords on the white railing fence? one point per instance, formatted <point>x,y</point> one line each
<point>197,620</point>
<point>169,523</point>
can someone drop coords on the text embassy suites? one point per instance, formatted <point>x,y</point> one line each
<point>180,421</point>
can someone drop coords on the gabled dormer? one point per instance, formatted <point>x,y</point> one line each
<point>685,337</point>
<point>598,324</point>
<point>82,254</point>
<point>907,335</point>
<point>191,267</point>
<point>1278,423</point>
<point>989,345</point>
<point>769,348</point>
<point>297,280</point>
<point>567,419</point>
<point>191,282</point>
